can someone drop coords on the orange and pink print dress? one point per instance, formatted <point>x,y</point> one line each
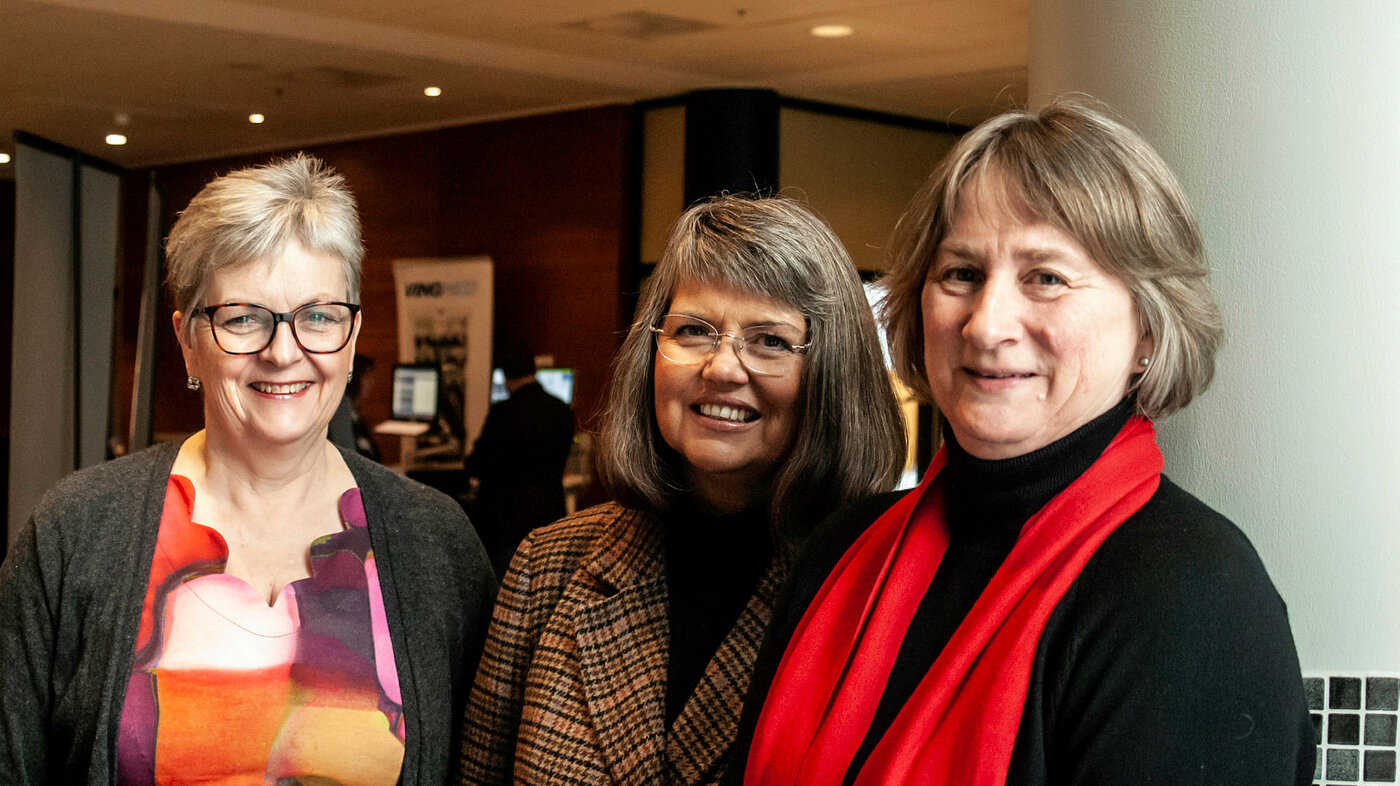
<point>225,689</point>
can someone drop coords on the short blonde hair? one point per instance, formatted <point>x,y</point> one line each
<point>251,213</point>
<point>1096,180</point>
<point>849,440</point>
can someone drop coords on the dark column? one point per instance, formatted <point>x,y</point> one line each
<point>731,142</point>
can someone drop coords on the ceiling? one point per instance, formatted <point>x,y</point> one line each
<point>180,77</point>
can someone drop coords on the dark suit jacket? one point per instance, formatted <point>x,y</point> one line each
<point>572,683</point>
<point>519,458</point>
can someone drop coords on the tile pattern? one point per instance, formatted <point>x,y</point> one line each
<point>1355,716</point>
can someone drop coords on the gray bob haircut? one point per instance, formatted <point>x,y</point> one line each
<point>849,438</point>
<point>252,213</point>
<point>1097,181</point>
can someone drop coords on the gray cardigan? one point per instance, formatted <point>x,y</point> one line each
<point>72,588</point>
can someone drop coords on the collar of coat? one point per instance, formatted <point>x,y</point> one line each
<point>623,637</point>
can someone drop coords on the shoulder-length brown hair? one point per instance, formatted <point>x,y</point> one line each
<point>849,438</point>
<point>1094,179</point>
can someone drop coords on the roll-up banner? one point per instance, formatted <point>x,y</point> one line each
<point>445,319</point>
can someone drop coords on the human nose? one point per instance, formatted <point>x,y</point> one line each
<point>996,315</point>
<point>283,348</point>
<point>725,365</point>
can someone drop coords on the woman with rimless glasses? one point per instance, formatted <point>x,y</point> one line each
<point>747,401</point>
<point>253,604</point>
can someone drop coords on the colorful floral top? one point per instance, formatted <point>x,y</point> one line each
<point>225,689</point>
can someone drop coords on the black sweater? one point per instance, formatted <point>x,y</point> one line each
<point>1169,659</point>
<point>713,566</point>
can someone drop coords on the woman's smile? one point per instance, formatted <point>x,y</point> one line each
<point>287,389</point>
<point>727,413</point>
<point>1026,336</point>
<point>729,425</point>
<point>280,394</point>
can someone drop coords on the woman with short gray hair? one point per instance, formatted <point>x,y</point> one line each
<point>250,604</point>
<point>1046,607</point>
<point>749,399</point>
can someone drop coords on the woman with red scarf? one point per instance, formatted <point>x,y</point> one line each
<point>1046,607</point>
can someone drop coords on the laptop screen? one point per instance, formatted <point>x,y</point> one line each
<point>415,394</point>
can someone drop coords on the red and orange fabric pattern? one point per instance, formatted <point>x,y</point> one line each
<point>225,689</point>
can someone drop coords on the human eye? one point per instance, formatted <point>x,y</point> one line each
<point>958,277</point>
<point>689,330</point>
<point>240,319</point>
<point>322,316</point>
<point>770,341</point>
<point>1045,278</point>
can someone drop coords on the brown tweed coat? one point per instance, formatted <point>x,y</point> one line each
<point>572,684</point>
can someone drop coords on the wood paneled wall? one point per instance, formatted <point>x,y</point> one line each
<point>550,198</point>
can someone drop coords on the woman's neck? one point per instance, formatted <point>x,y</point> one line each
<point>986,496</point>
<point>250,484</point>
<point>724,495</point>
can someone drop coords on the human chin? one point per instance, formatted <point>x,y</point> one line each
<point>995,429</point>
<point>282,418</point>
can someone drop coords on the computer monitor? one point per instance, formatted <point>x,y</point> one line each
<point>498,386</point>
<point>415,392</point>
<point>558,382</point>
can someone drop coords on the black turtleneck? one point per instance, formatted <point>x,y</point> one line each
<point>986,504</point>
<point>713,566</point>
<point>1168,660</point>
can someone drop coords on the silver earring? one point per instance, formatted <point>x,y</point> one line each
<point>349,376</point>
<point>192,383</point>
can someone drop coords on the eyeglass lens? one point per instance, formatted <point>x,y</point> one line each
<point>763,349</point>
<point>318,327</point>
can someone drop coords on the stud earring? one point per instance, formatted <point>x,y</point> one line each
<point>192,383</point>
<point>349,375</point>
<point>1144,361</point>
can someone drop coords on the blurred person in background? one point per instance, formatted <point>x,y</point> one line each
<point>346,429</point>
<point>519,460</point>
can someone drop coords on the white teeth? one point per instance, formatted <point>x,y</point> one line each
<point>732,414</point>
<point>281,390</point>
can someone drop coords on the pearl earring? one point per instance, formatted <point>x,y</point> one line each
<point>1144,360</point>
<point>192,383</point>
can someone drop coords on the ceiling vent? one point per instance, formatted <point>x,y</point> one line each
<point>330,76</point>
<point>641,25</point>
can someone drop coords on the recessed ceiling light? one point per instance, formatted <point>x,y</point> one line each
<point>116,139</point>
<point>4,158</point>
<point>832,31</point>
<point>432,92</point>
<point>256,118</point>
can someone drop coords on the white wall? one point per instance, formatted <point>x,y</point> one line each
<point>46,382</point>
<point>41,385</point>
<point>1283,122</point>
<point>856,174</point>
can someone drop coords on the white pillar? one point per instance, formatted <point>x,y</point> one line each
<point>1282,120</point>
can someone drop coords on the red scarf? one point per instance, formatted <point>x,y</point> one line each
<point>960,724</point>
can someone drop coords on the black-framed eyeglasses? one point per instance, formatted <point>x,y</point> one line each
<point>247,328</point>
<point>768,350</point>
